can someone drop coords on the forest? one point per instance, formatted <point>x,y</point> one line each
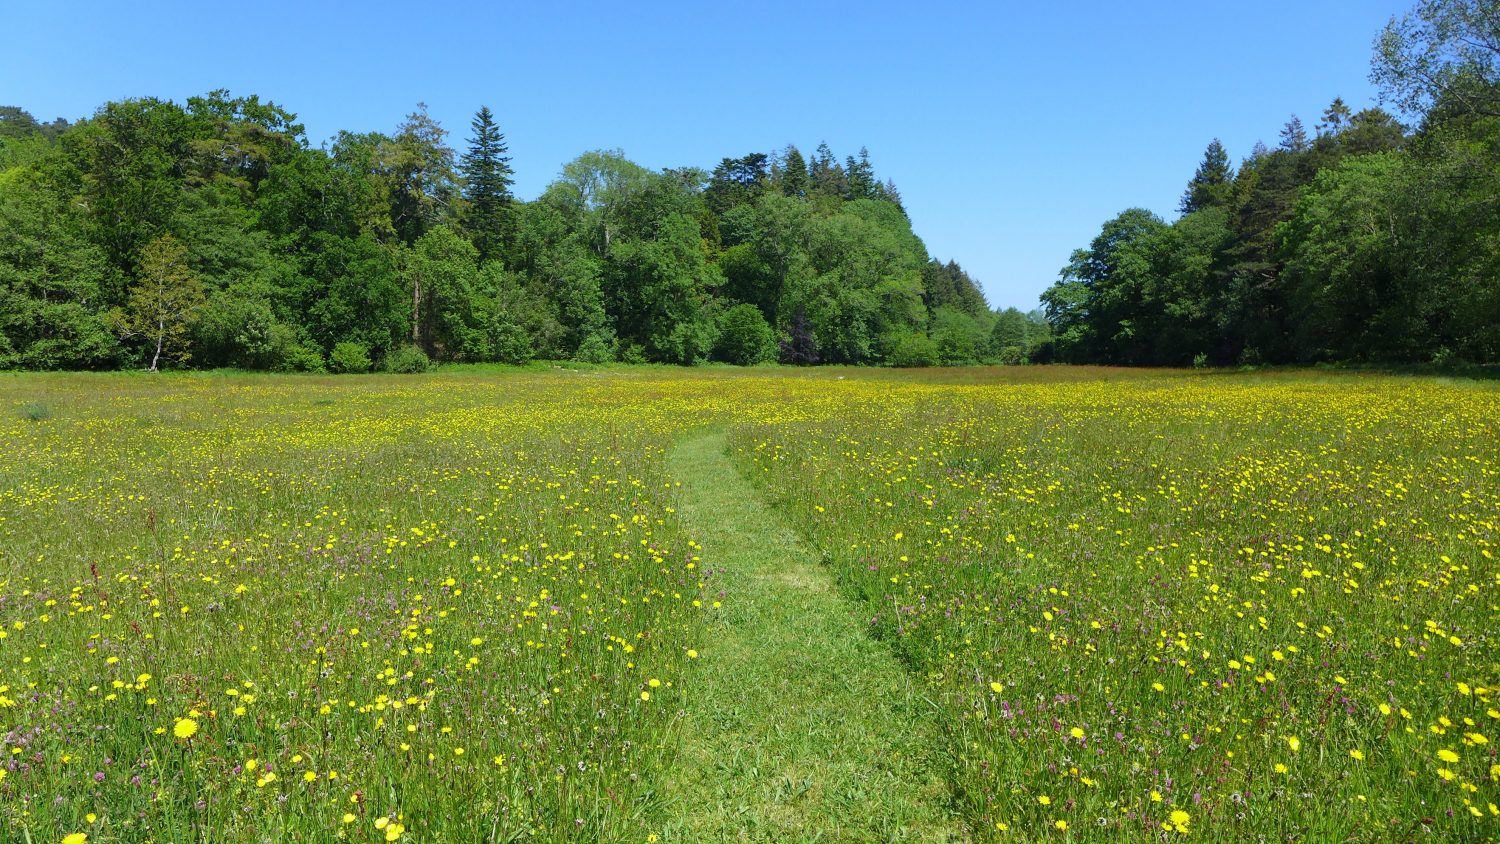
<point>213,233</point>
<point>1358,240</point>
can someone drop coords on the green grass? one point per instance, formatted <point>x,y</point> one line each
<point>801,727</point>
<point>920,603</point>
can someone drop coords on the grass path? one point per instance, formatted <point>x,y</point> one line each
<point>802,728</point>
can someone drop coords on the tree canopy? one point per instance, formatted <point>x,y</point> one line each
<point>1363,242</point>
<point>211,233</point>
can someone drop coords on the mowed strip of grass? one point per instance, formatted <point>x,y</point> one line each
<point>801,727</point>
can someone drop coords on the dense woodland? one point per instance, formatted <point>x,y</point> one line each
<point>213,234</point>
<point>1353,240</point>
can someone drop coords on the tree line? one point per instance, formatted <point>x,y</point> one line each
<point>1360,240</point>
<point>212,234</point>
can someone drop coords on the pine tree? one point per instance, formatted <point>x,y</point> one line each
<point>827,174</point>
<point>793,172</point>
<point>1212,184</point>
<point>488,177</point>
<point>1293,136</point>
<point>1335,118</point>
<point>861,176</point>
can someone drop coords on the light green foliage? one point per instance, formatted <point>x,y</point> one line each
<point>163,304</point>
<point>349,358</point>
<point>745,338</point>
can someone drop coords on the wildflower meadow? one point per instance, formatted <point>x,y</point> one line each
<point>481,606</point>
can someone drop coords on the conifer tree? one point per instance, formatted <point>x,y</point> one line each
<point>793,173</point>
<point>1212,184</point>
<point>488,177</point>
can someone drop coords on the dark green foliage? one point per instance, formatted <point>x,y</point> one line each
<point>1363,243</point>
<point>487,179</point>
<point>407,360</point>
<point>380,248</point>
<point>1212,186</point>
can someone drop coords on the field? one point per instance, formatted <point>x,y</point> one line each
<point>1033,604</point>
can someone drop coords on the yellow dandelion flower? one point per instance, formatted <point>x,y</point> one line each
<point>185,728</point>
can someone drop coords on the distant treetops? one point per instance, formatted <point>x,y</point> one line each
<point>211,234</point>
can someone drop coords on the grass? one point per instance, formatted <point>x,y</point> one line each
<point>800,727</point>
<point>464,606</point>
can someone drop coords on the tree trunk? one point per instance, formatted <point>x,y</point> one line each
<point>161,335</point>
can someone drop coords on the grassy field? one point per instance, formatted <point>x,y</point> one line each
<point>676,605</point>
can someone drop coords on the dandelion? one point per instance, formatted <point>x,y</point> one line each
<point>76,838</point>
<point>185,728</point>
<point>1357,754</point>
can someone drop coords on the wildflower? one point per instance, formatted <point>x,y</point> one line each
<point>1447,755</point>
<point>76,838</point>
<point>185,728</point>
<point>995,687</point>
<point>1061,825</point>
<point>1076,732</point>
<point>1357,754</point>
<point>1179,820</point>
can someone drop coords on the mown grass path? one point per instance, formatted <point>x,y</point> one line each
<point>801,728</point>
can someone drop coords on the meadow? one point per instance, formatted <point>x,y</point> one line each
<point>469,606</point>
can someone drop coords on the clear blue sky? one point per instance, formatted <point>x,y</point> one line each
<point>1012,130</point>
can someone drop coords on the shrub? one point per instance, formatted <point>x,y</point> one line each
<point>407,359</point>
<point>34,411</point>
<point>510,343</point>
<point>349,357</point>
<point>595,348</point>
<point>913,349</point>
<point>301,357</point>
<point>745,338</point>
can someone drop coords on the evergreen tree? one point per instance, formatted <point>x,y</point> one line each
<point>1335,118</point>
<point>1294,136</point>
<point>793,173</point>
<point>1212,185</point>
<point>861,176</point>
<point>487,179</point>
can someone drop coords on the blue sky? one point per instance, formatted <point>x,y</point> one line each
<point>1012,130</point>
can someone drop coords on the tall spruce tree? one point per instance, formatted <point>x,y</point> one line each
<point>793,172</point>
<point>488,177</point>
<point>1294,136</point>
<point>1213,184</point>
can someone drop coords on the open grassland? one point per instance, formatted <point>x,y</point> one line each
<point>465,607</point>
